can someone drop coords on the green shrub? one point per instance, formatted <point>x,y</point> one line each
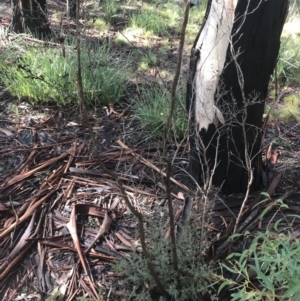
<point>152,111</point>
<point>196,277</point>
<point>270,268</point>
<point>44,75</point>
<point>275,259</point>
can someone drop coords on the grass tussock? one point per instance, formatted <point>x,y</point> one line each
<point>288,66</point>
<point>98,24</point>
<point>45,75</point>
<point>152,111</point>
<point>291,108</point>
<point>161,20</point>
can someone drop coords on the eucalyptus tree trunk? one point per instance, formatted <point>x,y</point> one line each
<point>30,15</point>
<point>71,9</point>
<point>232,60</point>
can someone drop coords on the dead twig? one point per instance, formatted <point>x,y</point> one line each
<point>26,215</point>
<point>149,164</point>
<point>26,175</point>
<point>252,219</point>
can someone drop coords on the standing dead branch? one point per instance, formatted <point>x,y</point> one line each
<point>135,211</point>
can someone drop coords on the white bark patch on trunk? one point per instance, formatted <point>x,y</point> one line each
<point>212,43</point>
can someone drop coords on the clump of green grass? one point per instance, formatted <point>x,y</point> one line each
<point>157,21</point>
<point>98,24</point>
<point>134,35</point>
<point>291,109</point>
<point>148,60</point>
<point>152,112</point>
<point>273,114</point>
<point>292,100</point>
<point>44,75</point>
<point>110,8</point>
<point>196,15</point>
<point>288,64</point>
<point>121,40</point>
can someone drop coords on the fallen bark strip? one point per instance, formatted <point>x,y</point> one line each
<point>27,149</point>
<point>64,246</point>
<point>133,189</point>
<point>26,215</point>
<point>12,264</point>
<point>30,157</point>
<point>26,175</point>
<point>19,250</point>
<point>149,164</point>
<point>20,285</point>
<point>72,227</point>
<point>6,132</point>
<point>104,227</point>
<point>23,208</point>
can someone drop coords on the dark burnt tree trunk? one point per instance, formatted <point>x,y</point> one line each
<point>232,60</point>
<point>71,9</point>
<point>30,15</point>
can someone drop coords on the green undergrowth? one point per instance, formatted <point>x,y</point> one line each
<point>269,269</point>
<point>273,114</point>
<point>152,109</point>
<point>196,13</point>
<point>147,60</point>
<point>160,20</point>
<point>45,75</point>
<point>111,7</point>
<point>291,108</point>
<point>196,276</point>
<point>98,24</point>
<point>288,65</point>
<point>275,260</point>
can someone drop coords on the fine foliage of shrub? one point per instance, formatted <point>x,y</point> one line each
<point>196,276</point>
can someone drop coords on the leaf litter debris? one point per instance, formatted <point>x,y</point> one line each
<point>61,215</point>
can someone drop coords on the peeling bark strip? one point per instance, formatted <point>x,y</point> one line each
<point>232,60</point>
<point>212,44</point>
